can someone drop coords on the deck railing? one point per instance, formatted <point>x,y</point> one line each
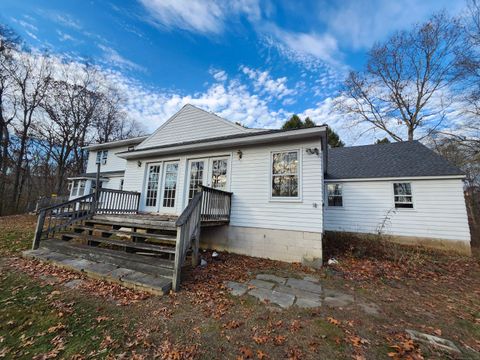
<point>208,205</point>
<point>58,217</point>
<point>188,236</point>
<point>117,202</point>
<point>216,205</point>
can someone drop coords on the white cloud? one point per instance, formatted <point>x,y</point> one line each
<point>359,24</point>
<point>203,16</point>
<point>112,57</point>
<point>219,75</point>
<point>266,85</point>
<point>62,36</point>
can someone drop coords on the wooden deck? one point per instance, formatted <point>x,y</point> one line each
<point>105,236</point>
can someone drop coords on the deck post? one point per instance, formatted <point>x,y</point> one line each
<point>38,230</point>
<point>177,269</point>
<point>196,240</point>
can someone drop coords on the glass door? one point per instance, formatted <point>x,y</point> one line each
<point>152,193</point>
<point>169,192</point>
<point>196,176</point>
<point>219,173</point>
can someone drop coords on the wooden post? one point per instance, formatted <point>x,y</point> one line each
<point>38,230</point>
<point>196,240</point>
<point>177,269</point>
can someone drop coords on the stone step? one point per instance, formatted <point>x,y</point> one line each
<point>104,271</point>
<point>166,238</point>
<point>145,264</point>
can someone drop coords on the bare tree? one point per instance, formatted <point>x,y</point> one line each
<point>31,77</point>
<point>403,85</point>
<point>8,44</point>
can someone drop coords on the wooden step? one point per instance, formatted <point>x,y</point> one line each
<point>145,264</point>
<point>162,237</point>
<point>159,225</point>
<point>132,245</point>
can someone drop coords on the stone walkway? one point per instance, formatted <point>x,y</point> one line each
<point>286,292</point>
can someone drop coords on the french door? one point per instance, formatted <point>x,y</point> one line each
<point>212,172</point>
<point>152,190</point>
<point>169,187</point>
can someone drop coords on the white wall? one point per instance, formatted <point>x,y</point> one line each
<point>251,186</point>
<point>114,163</point>
<point>439,210</point>
<point>190,124</point>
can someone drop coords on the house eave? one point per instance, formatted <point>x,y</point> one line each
<point>251,140</point>
<point>114,144</point>
<point>392,178</point>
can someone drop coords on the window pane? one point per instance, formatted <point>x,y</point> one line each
<point>285,163</point>
<point>285,186</point>
<point>152,185</point>
<point>219,174</point>
<point>335,201</point>
<point>196,178</point>
<point>285,174</point>
<point>170,187</point>
<point>402,189</point>
<point>81,189</point>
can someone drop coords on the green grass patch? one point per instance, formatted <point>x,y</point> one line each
<point>36,319</point>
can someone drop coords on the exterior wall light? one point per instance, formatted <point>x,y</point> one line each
<point>312,151</point>
<point>139,163</point>
<point>240,154</point>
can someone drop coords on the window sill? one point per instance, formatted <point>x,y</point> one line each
<point>286,200</point>
<point>335,207</point>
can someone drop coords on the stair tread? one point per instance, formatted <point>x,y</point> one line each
<point>159,267</point>
<point>160,225</point>
<point>133,245</point>
<point>165,237</point>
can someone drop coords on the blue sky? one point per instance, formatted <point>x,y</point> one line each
<point>251,61</point>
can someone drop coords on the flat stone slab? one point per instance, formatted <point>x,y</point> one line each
<point>237,289</point>
<point>151,283</point>
<point>281,299</point>
<point>119,273</point>
<point>304,285</point>
<point>261,284</point>
<point>434,341</point>
<point>298,292</point>
<point>102,269</point>
<point>272,278</point>
<point>370,308</point>
<point>77,264</point>
<point>74,284</point>
<point>307,303</point>
<point>311,279</point>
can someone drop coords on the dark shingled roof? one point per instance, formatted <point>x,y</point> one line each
<point>400,159</point>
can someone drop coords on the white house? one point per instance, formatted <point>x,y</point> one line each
<point>288,187</point>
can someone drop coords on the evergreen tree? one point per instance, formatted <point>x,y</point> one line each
<point>334,139</point>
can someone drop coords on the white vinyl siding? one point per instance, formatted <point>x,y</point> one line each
<point>439,210</point>
<point>114,163</point>
<point>250,181</point>
<point>191,124</point>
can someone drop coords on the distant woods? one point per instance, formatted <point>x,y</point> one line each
<point>296,123</point>
<point>49,110</point>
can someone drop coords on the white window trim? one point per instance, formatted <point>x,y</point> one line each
<point>413,208</point>
<point>326,196</point>
<point>299,169</point>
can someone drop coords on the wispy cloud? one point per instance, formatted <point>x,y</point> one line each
<point>112,57</point>
<point>266,85</point>
<point>202,16</point>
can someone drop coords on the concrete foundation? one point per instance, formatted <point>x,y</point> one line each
<point>283,245</point>
<point>458,246</point>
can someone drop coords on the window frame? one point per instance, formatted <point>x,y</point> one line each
<point>326,195</point>
<point>297,198</point>
<point>412,202</point>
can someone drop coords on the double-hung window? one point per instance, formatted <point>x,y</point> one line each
<point>335,195</point>
<point>285,174</point>
<point>403,195</point>
<point>102,157</point>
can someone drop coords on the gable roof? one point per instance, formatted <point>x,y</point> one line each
<point>189,124</point>
<point>229,141</point>
<point>400,159</point>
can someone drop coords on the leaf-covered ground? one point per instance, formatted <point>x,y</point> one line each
<point>428,291</point>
